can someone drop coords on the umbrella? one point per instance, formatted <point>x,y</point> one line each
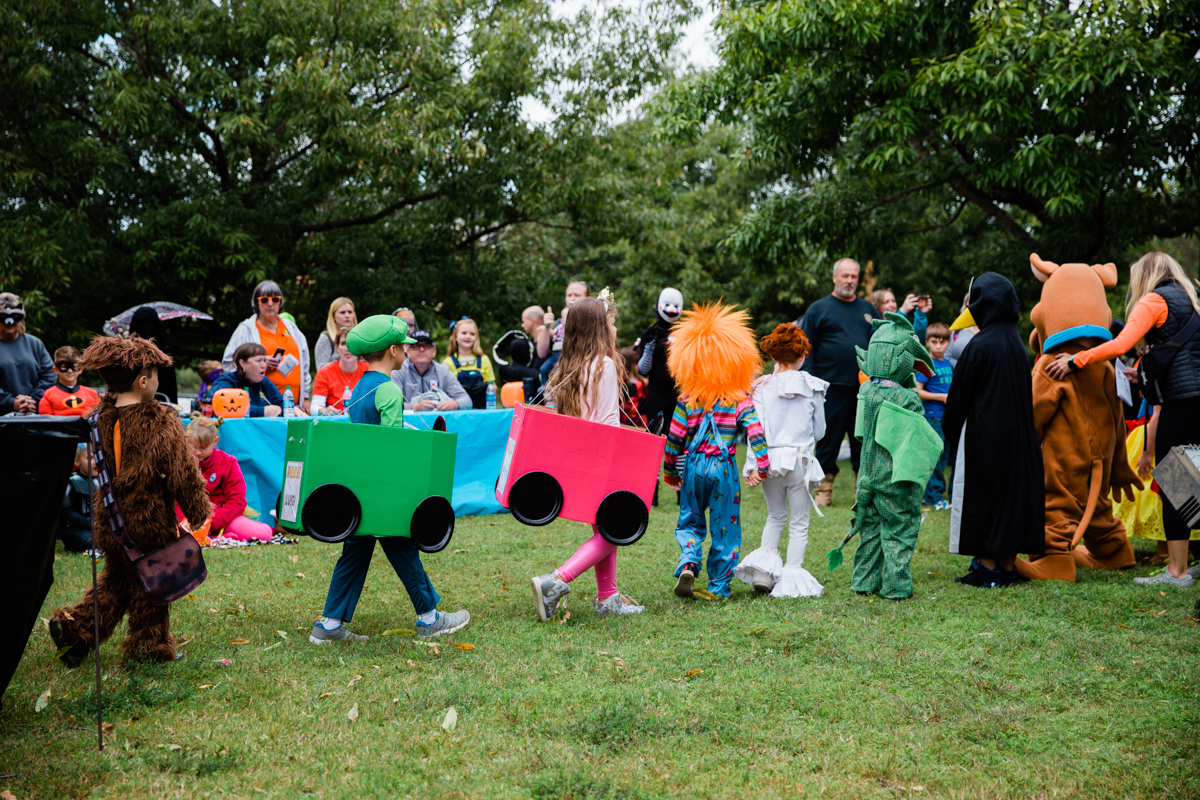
<point>120,323</point>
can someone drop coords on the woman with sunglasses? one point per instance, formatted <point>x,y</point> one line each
<point>26,371</point>
<point>287,349</point>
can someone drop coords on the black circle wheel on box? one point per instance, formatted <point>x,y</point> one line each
<point>331,513</point>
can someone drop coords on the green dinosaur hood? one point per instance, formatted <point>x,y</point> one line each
<point>894,352</point>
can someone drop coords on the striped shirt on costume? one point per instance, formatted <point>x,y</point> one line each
<point>727,418</point>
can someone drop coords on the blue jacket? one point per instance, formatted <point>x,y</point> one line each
<point>261,394</point>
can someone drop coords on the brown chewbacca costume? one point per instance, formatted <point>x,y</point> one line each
<point>157,471</point>
<point>1080,424</point>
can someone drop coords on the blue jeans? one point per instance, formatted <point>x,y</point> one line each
<point>350,573</point>
<point>937,489</point>
<point>547,365</point>
<point>710,482</point>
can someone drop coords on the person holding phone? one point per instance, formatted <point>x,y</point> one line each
<point>288,362</point>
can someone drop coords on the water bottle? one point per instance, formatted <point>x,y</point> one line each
<point>289,403</point>
<point>346,399</point>
<point>491,396</point>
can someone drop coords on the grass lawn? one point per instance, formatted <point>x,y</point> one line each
<point>1043,690</point>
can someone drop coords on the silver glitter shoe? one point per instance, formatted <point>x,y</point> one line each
<point>548,589</point>
<point>617,604</point>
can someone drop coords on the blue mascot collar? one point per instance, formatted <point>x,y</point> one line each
<point>1078,332</point>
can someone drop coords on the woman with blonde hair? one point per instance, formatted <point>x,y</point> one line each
<point>1164,324</point>
<point>341,315</point>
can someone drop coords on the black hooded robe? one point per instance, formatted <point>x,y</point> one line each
<point>999,488</point>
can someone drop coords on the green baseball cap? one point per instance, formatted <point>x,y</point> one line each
<point>377,333</point>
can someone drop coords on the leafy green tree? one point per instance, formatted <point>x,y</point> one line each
<point>185,149</point>
<point>950,137</point>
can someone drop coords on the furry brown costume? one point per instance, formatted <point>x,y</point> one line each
<point>1080,424</point>
<point>157,470</point>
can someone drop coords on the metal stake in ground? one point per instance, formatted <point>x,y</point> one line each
<point>95,604</point>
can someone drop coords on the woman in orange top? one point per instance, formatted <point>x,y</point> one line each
<point>1161,302</point>
<point>290,370</point>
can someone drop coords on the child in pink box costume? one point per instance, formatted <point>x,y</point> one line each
<point>586,384</point>
<point>713,360</point>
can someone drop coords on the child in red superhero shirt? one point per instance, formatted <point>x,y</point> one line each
<point>67,398</point>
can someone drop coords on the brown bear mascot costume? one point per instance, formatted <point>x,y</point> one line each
<point>1080,424</point>
<point>156,470</point>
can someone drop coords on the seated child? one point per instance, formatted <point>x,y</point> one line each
<point>224,484</point>
<point>336,380</point>
<point>713,360</point>
<point>376,400</point>
<point>791,407</point>
<point>75,524</point>
<point>209,372</point>
<point>67,398</point>
<point>250,372</point>
<point>468,363</point>
<point>933,391</point>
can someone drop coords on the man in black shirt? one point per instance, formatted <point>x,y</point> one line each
<point>834,325</point>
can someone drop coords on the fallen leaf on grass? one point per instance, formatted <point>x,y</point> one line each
<point>462,646</point>
<point>450,721</point>
<point>42,701</point>
<point>299,574</point>
<point>7,795</point>
<point>1162,594</point>
<point>566,615</point>
<point>704,594</point>
<point>239,641</point>
<point>410,662</point>
<point>1126,627</point>
<point>282,634</point>
<point>354,680</point>
<point>191,597</point>
<point>505,588</point>
<point>207,686</point>
<point>399,632</point>
<point>170,747</point>
<point>327,694</point>
<point>757,631</point>
<point>352,714</point>
<point>107,727</point>
<point>295,559</point>
<point>692,673</point>
<point>182,642</point>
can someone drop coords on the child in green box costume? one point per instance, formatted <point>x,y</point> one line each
<point>899,452</point>
<point>377,400</point>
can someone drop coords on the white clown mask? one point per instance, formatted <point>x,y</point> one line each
<point>670,304</point>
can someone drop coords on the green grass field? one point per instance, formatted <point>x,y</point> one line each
<point>1050,690</point>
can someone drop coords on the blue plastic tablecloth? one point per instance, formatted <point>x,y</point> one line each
<point>258,444</point>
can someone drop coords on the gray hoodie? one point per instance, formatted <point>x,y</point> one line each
<point>438,376</point>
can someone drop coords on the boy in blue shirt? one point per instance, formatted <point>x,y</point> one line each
<point>933,393</point>
<point>377,400</point>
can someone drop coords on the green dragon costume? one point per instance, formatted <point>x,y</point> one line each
<point>899,453</point>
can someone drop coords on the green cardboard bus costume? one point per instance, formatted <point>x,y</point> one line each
<point>899,453</point>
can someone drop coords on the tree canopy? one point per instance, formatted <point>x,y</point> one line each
<point>1069,128</point>
<point>185,149</point>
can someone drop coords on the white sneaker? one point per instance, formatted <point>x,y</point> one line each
<point>617,604</point>
<point>1165,578</point>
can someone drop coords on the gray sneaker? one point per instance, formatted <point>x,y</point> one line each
<point>686,582</point>
<point>617,604</point>
<point>445,623</point>
<point>320,635</point>
<point>548,589</point>
<point>1194,572</point>
<point>1165,578</point>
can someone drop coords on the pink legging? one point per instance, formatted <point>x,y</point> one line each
<point>595,552</point>
<point>243,529</point>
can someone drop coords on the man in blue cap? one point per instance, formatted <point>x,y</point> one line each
<point>376,400</point>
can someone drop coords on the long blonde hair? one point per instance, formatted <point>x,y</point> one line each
<point>587,338</point>
<point>331,327</point>
<point>1149,271</point>
<point>452,347</point>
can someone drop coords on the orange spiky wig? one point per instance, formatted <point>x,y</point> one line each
<point>713,355</point>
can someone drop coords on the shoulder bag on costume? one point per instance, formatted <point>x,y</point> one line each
<point>169,572</point>
<point>1152,367</point>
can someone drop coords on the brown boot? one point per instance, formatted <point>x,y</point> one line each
<point>824,493</point>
